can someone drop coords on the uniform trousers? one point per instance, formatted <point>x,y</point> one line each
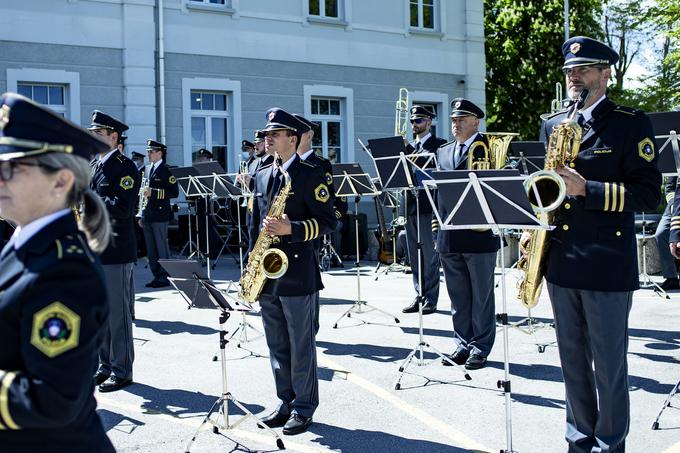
<point>592,328</point>
<point>430,258</point>
<point>470,284</point>
<point>289,329</point>
<point>117,351</point>
<point>156,239</point>
<point>663,237</point>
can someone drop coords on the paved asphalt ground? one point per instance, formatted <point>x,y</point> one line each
<point>436,409</point>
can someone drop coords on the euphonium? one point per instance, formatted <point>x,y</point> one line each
<point>493,156</point>
<point>401,115</point>
<point>265,262</point>
<point>546,191</point>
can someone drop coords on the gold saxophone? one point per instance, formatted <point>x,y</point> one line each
<point>546,191</point>
<point>265,262</point>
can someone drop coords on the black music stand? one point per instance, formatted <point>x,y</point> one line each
<point>401,172</point>
<point>350,180</point>
<point>527,157</point>
<point>185,276</point>
<point>192,189</point>
<point>226,304</point>
<point>493,199</point>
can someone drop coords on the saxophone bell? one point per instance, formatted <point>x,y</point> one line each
<point>274,263</point>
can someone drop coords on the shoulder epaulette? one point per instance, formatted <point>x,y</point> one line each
<point>304,162</point>
<point>264,167</point>
<point>120,157</point>
<point>548,116</point>
<point>447,143</point>
<point>626,110</point>
<point>71,246</point>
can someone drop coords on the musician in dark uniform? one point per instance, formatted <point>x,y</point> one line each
<point>53,308</point>
<point>662,237</point>
<point>468,257</point>
<point>116,180</point>
<point>425,142</point>
<point>157,214</point>
<point>307,154</point>
<point>288,303</point>
<point>591,267</point>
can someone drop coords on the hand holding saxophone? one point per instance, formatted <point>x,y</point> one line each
<point>277,227</point>
<point>576,184</point>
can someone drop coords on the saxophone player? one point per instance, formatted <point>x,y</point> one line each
<point>288,303</point>
<point>591,266</point>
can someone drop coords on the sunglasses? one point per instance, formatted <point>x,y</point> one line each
<point>7,168</point>
<point>418,120</point>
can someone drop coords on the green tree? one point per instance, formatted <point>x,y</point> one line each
<point>524,59</point>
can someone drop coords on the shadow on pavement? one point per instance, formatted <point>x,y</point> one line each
<point>362,441</point>
<point>179,403</point>
<point>383,354</point>
<point>123,423</point>
<point>173,327</point>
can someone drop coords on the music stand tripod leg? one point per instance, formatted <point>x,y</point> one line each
<point>666,403</point>
<point>359,305</point>
<point>221,405</point>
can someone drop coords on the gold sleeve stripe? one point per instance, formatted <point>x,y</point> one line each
<point>622,196</point>
<point>60,250</point>
<point>2,424</point>
<point>306,230</point>
<point>4,401</point>
<point>670,196</point>
<point>613,191</point>
<point>675,227</point>
<point>606,196</point>
<point>316,228</point>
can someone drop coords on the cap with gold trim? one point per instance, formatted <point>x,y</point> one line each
<point>153,145</point>
<point>259,136</point>
<point>101,120</point>
<point>306,125</point>
<point>463,107</point>
<point>584,51</point>
<point>421,111</point>
<point>278,119</point>
<point>29,129</point>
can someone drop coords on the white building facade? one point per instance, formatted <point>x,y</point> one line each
<point>201,73</point>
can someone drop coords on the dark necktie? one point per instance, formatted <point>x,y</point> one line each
<point>418,147</point>
<point>458,157</point>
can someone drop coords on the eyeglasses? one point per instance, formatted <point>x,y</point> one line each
<point>418,120</point>
<point>578,71</point>
<point>7,168</point>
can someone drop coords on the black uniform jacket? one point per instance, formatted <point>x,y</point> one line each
<point>310,210</point>
<point>593,246</point>
<point>673,197</point>
<point>53,311</point>
<point>339,203</point>
<point>430,146</point>
<point>461,241</point>
<point>163,187</point>
<point>117,183</point>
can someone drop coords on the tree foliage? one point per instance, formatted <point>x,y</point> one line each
<point>524,59</point>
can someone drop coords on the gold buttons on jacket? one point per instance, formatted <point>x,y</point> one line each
<point>572,165</point>
<point>618,233</point>
<point>567,206</point>
<point>565,227</point>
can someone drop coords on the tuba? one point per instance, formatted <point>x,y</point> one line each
<point>546,191</point>
<point>491,156</point>
<point>265,262</point>
<point>401,114</point>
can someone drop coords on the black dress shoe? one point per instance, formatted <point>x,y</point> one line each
<point>459,357</point>
<point>100,378</point>
<point>114,383</point>
<point>670,284</point>
<point>413,308</point>
<point>275,419</point>
<point>297,424</point>
<point>428,309</point>
<point>475,362</point>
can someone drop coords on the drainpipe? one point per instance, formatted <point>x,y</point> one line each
<point>161,73</point>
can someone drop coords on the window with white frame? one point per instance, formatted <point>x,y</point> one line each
<point>327,116</point>
<point>55,88</point>
<point>423,14</point>
<point>325,8</point>
<point>209,124</point>
<point>433,107</point>
<point>50,95</point>
<point>210,2</point>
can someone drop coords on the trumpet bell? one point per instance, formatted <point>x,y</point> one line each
<point>274,263</point>
<point>547,187</point>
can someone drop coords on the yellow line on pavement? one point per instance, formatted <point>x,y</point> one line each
<point>237,432</point>
<point>459,439</point>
